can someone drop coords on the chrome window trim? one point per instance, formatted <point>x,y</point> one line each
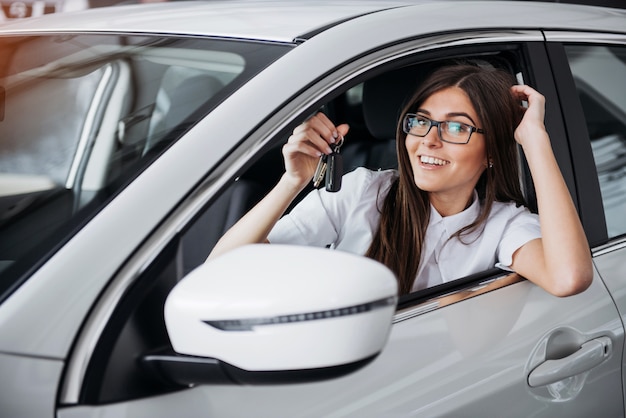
<point>585,37</point>
<point>612,245</point>
<point>141,259</point>
<point>458,295</point>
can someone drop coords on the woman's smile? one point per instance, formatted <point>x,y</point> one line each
<point>447,171</point>
<point>429,161</point>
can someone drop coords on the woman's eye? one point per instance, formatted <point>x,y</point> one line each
<point>456,127</point>
<point>420,122</point>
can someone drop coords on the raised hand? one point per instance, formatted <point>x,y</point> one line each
<point>532,125</point>
<point>308,142</point>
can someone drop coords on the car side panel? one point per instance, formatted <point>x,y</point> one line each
<point>27,387</point>
<point>471,358</point>
<point>613,271</point>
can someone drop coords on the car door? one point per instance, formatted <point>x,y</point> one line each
<point>594,71</point>
<point>492,344</point>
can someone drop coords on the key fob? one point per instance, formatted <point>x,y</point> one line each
<point>334,172</point>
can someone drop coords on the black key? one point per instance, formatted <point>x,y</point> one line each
<point>334,171</point>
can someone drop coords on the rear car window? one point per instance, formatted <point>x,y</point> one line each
<point>600,76</point>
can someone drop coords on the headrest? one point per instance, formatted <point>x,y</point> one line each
<point>189,95</point>
<point>384,97</point>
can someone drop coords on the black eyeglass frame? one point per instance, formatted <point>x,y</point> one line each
<point>438,125</point>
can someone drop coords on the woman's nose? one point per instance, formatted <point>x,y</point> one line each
<point>431,139</point>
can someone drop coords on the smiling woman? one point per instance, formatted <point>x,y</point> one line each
<point>449,172</point>
<point>455,196</point>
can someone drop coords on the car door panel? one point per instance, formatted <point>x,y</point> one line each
<point>36,378</point>
<point>591,70</point>
<point>469,358</point>
<point>610,264</point>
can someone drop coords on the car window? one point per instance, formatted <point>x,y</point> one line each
<point>600,74</point>
<point>82,115</point>
<point>137,325</point>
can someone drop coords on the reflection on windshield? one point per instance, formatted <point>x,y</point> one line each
<point>82,115</point>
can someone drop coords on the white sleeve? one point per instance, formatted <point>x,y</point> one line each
<point>317,219</point>
<point>522,227</point>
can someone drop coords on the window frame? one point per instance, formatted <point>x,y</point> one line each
<point>589,202</point>
<point>589,198</point>
<point>275,126</point>
<point>585,149</point>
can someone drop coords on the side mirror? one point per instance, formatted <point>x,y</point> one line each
<point>274,313</point>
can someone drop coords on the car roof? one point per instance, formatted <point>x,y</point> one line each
<point>269,20</point>
<point>289,21</point>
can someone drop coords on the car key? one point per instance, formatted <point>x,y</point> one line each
<point>320,171</point>
<point>334,168</point>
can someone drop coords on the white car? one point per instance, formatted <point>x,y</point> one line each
<point>132,137</point>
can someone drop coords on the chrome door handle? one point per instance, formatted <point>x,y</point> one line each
<point>591,354</point>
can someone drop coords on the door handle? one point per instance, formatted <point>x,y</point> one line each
<point>591,354</point>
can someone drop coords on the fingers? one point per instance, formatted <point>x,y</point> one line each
<point>293,147</point>
<point>527,93</point>
<point>309,141</point>
<point>531,125</point>
<point>343,129</point>
<point>536,101</point>
<point>321,124</point>
<point>317,132</point>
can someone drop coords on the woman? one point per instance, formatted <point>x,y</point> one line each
<point>453,207</point>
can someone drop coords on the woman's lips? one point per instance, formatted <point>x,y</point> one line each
<point>432,161</point>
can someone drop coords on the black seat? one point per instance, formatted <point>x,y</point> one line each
<point>236,200</point>
<point>180,96</point>
<point>383,99</point>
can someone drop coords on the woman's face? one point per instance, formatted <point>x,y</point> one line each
<point>449,172</point>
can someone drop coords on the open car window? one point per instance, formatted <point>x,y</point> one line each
<point>138,323</point>
<point>371,106</point>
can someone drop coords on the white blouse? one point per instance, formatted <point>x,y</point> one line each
<point>347,221</point>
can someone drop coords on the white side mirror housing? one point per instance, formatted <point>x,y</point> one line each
<point>273,308</point>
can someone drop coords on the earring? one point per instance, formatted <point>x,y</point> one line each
<point>490,164</point>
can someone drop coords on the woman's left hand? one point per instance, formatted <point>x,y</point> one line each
<point>532,124</point>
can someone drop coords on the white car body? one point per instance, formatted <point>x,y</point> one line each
<point>470,358</point>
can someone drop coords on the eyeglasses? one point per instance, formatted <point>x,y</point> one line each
<point>449,131</point>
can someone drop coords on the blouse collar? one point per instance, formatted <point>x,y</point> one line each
<point>453,223</point>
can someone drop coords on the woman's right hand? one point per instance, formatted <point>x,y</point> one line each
<point>305,146</point>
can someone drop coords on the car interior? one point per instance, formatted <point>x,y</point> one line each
<point>371,106</point>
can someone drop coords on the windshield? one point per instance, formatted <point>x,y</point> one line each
<point>82,115</point>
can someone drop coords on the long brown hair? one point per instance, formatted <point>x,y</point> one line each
<point>406,208</point>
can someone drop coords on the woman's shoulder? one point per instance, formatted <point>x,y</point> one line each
<point>509,209</point>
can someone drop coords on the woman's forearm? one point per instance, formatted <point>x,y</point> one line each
<point>566,254</point>
<point>560,261</point>
<point>255,226</point>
